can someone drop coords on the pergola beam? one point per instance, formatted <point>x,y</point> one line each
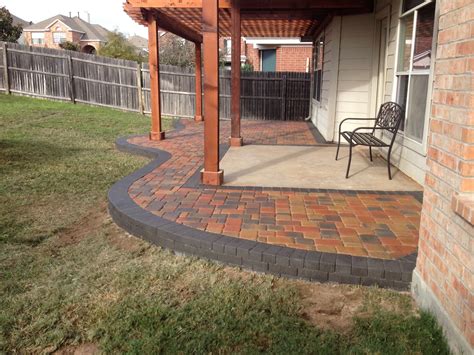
<point>256,4</point>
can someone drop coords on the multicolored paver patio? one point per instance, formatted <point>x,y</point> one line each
<point>382,224</point>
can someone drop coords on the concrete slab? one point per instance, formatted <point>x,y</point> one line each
<point>310,167</point>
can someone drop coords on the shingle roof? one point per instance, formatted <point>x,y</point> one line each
<point>138,41</point>
<point>92,32</point>
<point>19,21</point>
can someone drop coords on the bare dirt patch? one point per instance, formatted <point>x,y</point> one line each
<point>99,220</point>
<point>330,306</point>
<point>82,349</point>
<point>333,307</point>
<point>122,240</point>
<point>89,224</point>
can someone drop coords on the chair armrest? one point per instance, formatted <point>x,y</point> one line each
<point>355,119</point>
<point>370,128</point>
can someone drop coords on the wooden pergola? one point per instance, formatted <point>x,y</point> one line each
<point>202,22</point>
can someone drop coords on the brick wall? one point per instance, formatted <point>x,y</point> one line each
<point>253,56</point>
<point>444,279</point>
<point>288,58</point>
<point>293,58</point>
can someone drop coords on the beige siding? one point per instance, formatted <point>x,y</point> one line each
<point>394,14</point>
<point>355,66</point>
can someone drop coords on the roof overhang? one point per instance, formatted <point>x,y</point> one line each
<point>259,18</point>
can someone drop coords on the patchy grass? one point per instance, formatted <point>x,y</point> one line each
<point>69,277</point>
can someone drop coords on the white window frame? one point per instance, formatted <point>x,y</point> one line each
<point>37,36</point>
<point>411,143</point>
<point>317,42</point>
<point>64,38</point>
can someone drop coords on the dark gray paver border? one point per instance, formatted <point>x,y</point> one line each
<point>257,256</point>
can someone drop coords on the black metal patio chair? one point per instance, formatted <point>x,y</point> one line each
<point>389,119</point>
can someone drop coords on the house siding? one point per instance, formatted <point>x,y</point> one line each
<point>355,69</point>
<point>346,74</point>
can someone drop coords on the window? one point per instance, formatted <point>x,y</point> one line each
<point>268,60</point>
<point>59,37</point>
<point>318,60</point>
<point>227,46</point>
<point>414,64</point>
<point>37,37</point>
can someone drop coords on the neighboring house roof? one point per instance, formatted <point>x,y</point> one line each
<point>91,32</point>
<point>138,42</point>
<point>19,21</point>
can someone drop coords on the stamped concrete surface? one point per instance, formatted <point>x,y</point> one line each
<point>311,167</point>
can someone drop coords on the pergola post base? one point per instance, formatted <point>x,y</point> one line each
<point>236,142</point>
<point>198,118</point>
<point>157,136</point>
<point>214,178</point>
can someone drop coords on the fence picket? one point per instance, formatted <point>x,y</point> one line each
<point>6,81</point>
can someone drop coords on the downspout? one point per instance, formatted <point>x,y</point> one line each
<point>337,81</point>
<point>311,88</point>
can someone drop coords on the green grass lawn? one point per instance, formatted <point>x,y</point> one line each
<point>69,276</point>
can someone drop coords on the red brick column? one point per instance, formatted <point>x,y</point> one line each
<point>443,280</point>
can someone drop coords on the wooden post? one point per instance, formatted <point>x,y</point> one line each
<point>141,105</point>
<point>211,175</point>
<point>156,133</point>
<point>283,97</point>
<point>72,91</point>
<point>198,74</point>
<point>235,138</point>
<point>6,79</point>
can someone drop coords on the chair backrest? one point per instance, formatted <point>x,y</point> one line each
<point>390,117</point>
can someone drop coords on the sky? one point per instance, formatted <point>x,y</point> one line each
<point>108,13</point>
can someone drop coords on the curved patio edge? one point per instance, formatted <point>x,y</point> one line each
<point>253,255</point>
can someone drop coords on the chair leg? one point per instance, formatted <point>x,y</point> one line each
<point>370,151</point>
<point>350,159</point>
<point>388,163</point>
<point>338,146</point>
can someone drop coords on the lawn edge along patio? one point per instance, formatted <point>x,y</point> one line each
<point>252,255</point>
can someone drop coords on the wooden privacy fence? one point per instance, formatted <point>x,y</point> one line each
<point>124,84</point>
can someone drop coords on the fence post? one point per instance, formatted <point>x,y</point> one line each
<point>6,79</point>
<point>283,98</point>
<point>141,106</point>
<point>72,92</point>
